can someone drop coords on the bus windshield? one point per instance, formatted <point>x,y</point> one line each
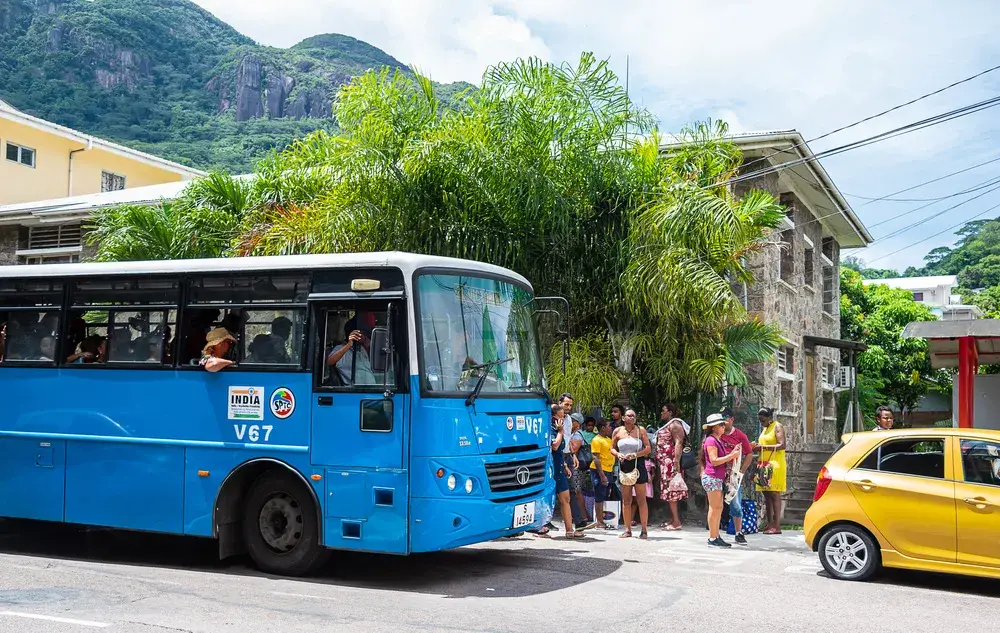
<point>475,325</point>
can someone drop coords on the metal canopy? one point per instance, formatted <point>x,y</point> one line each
<point>943,339</point>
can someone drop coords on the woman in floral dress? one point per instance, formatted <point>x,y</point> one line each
<point>669,449</point>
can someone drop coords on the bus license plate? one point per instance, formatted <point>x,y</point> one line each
<point>524,514</point>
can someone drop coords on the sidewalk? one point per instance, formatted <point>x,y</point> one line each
<point>787,541</point>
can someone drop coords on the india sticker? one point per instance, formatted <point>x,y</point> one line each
<point>520,423</point>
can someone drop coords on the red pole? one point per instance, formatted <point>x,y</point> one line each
<point>968,365</point>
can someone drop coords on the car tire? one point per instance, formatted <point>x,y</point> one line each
<point>849,553</point>
<point>280,526</point>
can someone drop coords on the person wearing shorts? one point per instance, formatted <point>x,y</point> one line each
<point>561,473</point>
<point>602,469</point>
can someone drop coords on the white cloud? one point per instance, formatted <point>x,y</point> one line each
<point>812,65</point>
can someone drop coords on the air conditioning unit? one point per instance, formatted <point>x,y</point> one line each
<point>846,377</point>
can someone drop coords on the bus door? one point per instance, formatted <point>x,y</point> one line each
<point>360,421</point>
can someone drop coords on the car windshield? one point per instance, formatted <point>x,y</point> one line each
<point>468,322</point>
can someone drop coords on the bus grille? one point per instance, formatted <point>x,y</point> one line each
<point>509,476</point>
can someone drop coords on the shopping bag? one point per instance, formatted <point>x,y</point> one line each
<point>749,518</point>
<point>612,510</point>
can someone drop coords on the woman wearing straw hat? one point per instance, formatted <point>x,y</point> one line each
<point>218,342</point>
<point>713,460</point>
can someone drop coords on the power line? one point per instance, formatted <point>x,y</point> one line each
<point>983,185</point>
<point>931,217</point>
<point>927,182</point>
<point>884,112</point>
<point>950,228</point>
<point>906,129</point>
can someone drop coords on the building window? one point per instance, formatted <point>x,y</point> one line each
<point>23,155</point>
<point>786,395</point>
<point>808,272</point>
<point>111,182</point>
<point>50,259</point>
<point>59,236</point>
<point>786,260</point>
<point>829,406</point>
<point>918,296</point>
<point>829,297</point>
<point>786,360</point>
<point>828,248</point>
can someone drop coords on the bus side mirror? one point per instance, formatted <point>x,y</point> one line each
<point>380,349</point>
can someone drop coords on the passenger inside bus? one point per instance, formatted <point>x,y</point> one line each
<point>218,344</point>
<point>92,350</point>
<point>354,352</point>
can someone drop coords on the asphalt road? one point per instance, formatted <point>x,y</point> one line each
<point>60,579</point>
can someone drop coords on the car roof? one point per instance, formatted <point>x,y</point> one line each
<point>984,434</point>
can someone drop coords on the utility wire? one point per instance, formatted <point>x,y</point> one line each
<point>950,228</point>
<point>918,185</point>
<point>884,112</point>
<point>906,129</point>
<point>983,185</point>
<point>914,225</point>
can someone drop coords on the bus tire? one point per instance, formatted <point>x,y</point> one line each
<point>281,527</point>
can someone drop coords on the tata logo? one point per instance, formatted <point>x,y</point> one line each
<point>522,475</point>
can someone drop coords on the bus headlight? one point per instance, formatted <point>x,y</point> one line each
<point>451,482</point>
<point>468,486</point>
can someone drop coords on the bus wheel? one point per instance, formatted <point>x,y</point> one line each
<point>280,526</point>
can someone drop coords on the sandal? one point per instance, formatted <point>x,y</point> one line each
<point>626,534</point>
<point>576,534</point>
<point>643,536</point>
<point>671,528</point>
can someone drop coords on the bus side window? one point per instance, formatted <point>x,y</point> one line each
<point>347,347</point>
<point>265,313</point>
<point>123,321</point>
<point>30,321</point>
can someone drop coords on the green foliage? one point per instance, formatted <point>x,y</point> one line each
<point>894,369</point>
<point>549,170</point>
<point>160,76</point>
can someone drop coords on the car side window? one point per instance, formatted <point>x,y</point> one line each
<point>920,457</point>
<point>981,462</point>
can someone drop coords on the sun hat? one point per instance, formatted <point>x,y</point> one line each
<point>216,336</point>
<point>713,420</point>
<point>578,417</point>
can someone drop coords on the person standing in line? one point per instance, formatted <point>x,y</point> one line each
<point>630,445</point>
<point>566,402</point>
<point>561,472</point>
<point>731,438</point>
<point>580,480</point>
<point>602,469</point>
<point>713,459</point>
<point>617,413</point>
<point>771,469</point>
<point>884,419</point>
<point>669,450</point>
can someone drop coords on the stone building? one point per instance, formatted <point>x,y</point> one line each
<point>798,288</point>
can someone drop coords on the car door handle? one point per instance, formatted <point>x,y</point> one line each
<point>324,401</point>
<point>979,502</point>
<point>866,484</point>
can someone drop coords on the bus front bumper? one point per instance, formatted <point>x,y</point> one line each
<point>445,523</point>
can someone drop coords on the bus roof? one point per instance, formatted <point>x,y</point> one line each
<point>407,262</point>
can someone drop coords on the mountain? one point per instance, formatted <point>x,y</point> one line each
<point>169,78</point>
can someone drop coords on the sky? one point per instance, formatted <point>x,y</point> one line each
<point>811,65</point>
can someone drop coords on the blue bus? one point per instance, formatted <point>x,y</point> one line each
<point>381,402</point>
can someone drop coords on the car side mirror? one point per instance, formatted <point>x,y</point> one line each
<point>380,349</point>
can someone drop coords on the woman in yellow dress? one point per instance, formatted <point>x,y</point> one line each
<point>771,445</point>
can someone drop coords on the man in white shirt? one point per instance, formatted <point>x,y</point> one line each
<point>353,352</point>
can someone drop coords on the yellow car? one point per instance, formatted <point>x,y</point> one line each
<point>922,499</point>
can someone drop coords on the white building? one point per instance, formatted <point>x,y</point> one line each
<point>937,293</point>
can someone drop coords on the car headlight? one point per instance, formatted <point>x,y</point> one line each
<point>468,486</point>
<point>451,482</point>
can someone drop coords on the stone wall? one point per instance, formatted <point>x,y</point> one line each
<point>796,305</point>
<point>8,245</point>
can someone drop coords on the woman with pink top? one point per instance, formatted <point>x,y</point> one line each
<point>713,460</point>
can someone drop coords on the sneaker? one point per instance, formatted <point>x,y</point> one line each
<point>718,542</point>
<point>740,539</point>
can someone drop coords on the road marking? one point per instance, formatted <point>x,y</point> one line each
<point>302,595</point>
<point>52,618</point>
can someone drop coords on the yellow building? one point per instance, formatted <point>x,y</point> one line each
<point>40,160</point>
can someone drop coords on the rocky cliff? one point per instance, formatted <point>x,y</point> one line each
<point>168,77</point>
